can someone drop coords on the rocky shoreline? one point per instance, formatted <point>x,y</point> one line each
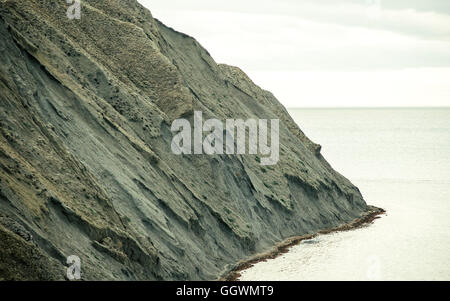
<point>283,247</point>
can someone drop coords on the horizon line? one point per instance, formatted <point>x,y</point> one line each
<point>368,108</point>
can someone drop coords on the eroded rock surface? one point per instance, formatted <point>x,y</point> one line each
<point>86,167</point>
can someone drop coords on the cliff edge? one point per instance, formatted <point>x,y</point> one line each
<point>86,167</point>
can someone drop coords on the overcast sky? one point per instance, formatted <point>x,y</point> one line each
<point>326,53</point>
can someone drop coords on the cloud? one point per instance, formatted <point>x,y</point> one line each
<point>415,17</point>
<point>335,50</point>
<point>274,42</point>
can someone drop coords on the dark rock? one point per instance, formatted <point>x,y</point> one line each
<point>86,107</point>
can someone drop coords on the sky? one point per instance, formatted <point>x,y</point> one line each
<point>326,53</point>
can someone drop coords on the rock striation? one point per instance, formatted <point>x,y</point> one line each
<point>86,168</point>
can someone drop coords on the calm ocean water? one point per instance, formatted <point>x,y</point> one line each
<point>400,160</point>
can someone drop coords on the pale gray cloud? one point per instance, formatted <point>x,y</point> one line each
<point>351,34</point>
<point>286,37</point>
<point>428,18</point>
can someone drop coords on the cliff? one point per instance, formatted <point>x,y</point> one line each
<point>86,166</point>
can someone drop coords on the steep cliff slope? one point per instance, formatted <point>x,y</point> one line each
<point>86,166</point>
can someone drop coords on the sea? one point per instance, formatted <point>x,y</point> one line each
<point>400,160</point>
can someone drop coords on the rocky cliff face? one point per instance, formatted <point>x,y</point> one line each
<point>86,166</point>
